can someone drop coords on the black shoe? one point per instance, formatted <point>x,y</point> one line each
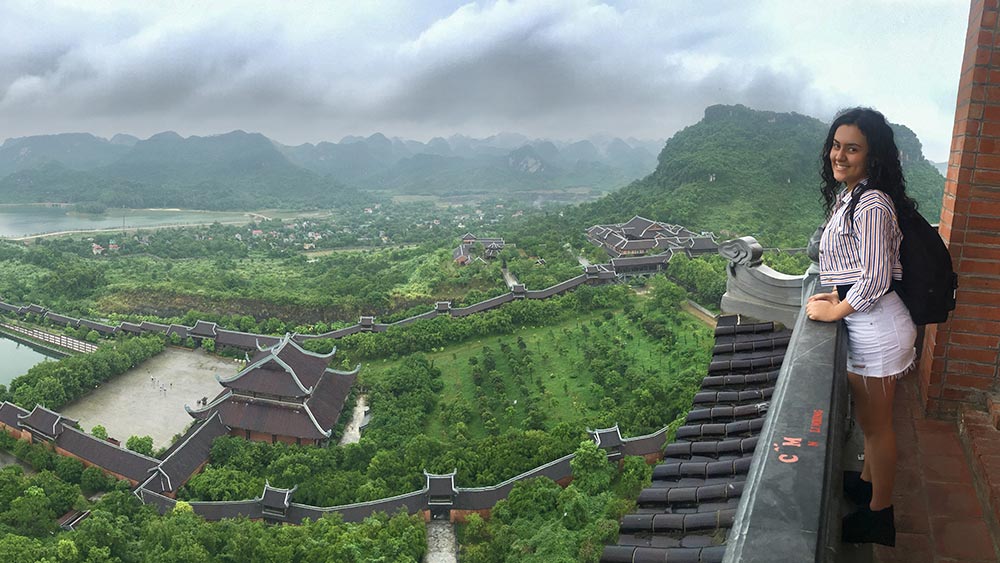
<point>856,489</point>
<point>870,526</point>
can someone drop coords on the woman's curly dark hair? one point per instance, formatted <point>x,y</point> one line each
<point>885,172</point>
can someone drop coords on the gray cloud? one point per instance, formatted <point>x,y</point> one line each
<point>320,70</point>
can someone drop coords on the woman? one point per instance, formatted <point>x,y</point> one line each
<point>864,188</point>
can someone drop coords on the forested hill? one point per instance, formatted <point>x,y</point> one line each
<point>240,170</point>
<point>745,172</point>
<point>237,170</point>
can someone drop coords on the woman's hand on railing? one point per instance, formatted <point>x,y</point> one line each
<point>827,307</point>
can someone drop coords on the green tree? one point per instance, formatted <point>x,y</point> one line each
<point>69,469</point>
<point>592,473</point>
<point>66,551</point>
<point>140,444</point>
<point>21,548</point>
<point>30,513</point>
<point>92,480</point>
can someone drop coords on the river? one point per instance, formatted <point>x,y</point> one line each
<point>23,220</point>
<point>17,359</point>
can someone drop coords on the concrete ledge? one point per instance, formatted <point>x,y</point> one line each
<point>788,511</point>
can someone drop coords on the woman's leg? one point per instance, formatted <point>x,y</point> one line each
<point>873,402</point>
<point>860,397</point>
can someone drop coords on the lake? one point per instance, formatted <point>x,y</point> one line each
<point>23,220</point>
<point>17,359</point>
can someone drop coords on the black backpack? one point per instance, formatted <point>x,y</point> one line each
<point>929,282</point>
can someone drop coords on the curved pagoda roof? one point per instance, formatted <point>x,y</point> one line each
<point>286,391</point>
<point>283,370</point>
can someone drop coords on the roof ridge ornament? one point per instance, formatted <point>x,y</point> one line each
<point>744,250</point>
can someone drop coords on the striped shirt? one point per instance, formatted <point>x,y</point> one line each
<point>865,254</point>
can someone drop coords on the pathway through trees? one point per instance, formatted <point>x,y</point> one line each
<point>353,431</point>
<point>440,542</point>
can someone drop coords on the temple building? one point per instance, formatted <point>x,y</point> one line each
<point>640,236</point>
<point>284,394</point>
<point>463,253</point>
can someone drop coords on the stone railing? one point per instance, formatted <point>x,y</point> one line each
<point>789,510</point>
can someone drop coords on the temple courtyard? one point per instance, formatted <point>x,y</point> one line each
<point>149,399</point>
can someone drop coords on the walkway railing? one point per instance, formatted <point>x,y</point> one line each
<point>789,508</point>
<point>59,340</point>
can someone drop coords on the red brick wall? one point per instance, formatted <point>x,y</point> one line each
<point>960,361</point>
<point>15,432</point>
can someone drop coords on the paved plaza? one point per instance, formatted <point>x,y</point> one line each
<point>149,399</point>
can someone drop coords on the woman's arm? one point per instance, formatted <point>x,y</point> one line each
<point>874,221</point>
<point>828,307</point>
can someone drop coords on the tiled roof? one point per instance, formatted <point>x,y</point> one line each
<point>10,414</point>
<point>329,397</point>
<point>441,485</point>
<point>244,340</point>
<point>625,262</point>
<point>131,328</point>
<point>285,370</point>
<point>276,499</point>
<point>219,510</point>
<point>9,308</point>
<point>203,328</point>
<point>270,377</point>
<point>557,288</point>
<point>686,512</point>
<point>636,226</point>
<point>153,327</point>
<point>179,330</point>
<point>99,327</point>
<point>268,417</point>
<point>608,437</point>
<point>113,458</point>
<point>187,457</point>
<point>311,395</point>
<point>45,421</point>
<point>61,319</point>
<point>461,251</point>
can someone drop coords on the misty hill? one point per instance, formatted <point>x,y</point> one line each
<point>240,170</point>
<point>745,172</point>
<point>237,170</point>
<point>79,151</point>
<point>498,164</point>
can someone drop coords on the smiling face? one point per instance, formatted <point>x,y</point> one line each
<point>849,155</point>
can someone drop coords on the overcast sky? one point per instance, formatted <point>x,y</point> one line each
<point>307,71</point>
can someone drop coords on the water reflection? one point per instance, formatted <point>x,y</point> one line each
<point>22,220</point>
<point>18,358</point>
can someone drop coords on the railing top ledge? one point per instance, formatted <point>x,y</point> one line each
<point>784,511</point>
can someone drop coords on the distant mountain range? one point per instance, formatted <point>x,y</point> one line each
<point>240,170</point>
<point>745,172</point>
<point>737,171</point>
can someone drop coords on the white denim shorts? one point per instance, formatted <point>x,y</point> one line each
<point>880,340</point>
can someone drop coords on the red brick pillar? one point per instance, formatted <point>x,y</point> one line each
<point>960,358</point>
